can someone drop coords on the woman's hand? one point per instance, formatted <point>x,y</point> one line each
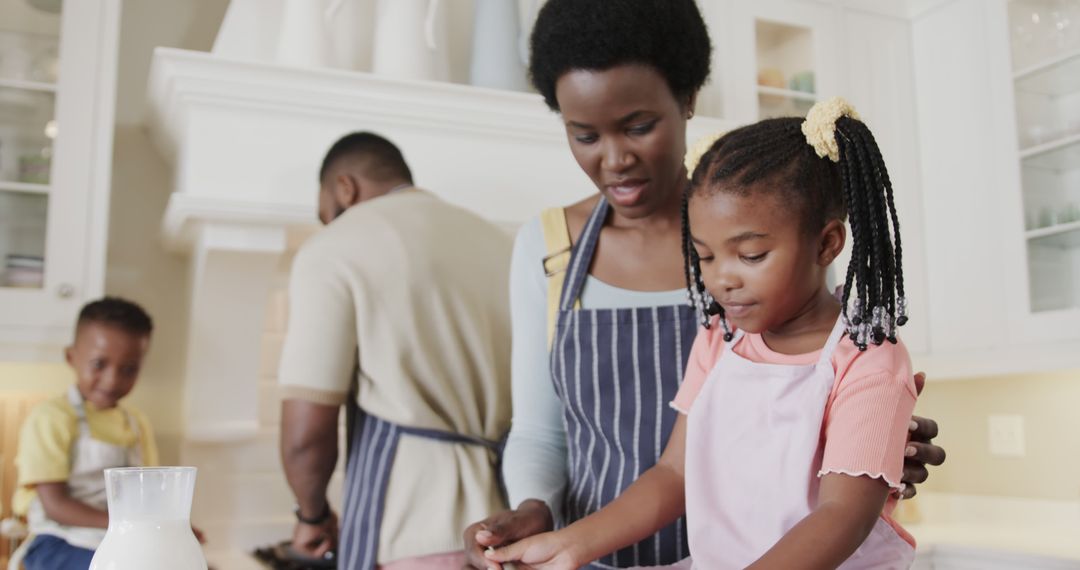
<point>920,450</point>
<point>547,551</point>
<point>530,518</point>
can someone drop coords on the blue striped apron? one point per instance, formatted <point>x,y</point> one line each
<point>372,446</point>
<point>615,371</point>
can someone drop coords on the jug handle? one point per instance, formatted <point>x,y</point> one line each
<point>429,24</point>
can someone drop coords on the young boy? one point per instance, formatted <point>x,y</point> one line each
<point>67,442</point>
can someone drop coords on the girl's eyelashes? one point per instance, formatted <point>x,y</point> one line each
<point>585,139</point>
<point>754,258</point>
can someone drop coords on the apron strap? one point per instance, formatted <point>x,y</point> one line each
<point>496,447</point>
<point>736,336</point>
<point>451,437</point>
<point>835,337</point>
<point>556,261</point>
<point>76,401</point>
<point>581,255</point>
<point>372,450</point>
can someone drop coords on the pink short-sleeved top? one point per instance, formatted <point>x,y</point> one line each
<point>865,429</point>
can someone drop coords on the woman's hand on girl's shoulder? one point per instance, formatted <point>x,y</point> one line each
<point>532,517</point>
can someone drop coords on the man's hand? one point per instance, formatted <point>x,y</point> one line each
<point>315,541</point>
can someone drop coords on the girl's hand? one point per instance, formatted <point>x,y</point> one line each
<point>920,450</point>
<point>530,518</point>
<point>548,551</point>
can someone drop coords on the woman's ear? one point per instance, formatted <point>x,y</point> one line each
<point>691,105</point>
<point>831,243</point>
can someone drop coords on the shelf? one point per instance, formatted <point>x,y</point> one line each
<point>1061,154</point>
<point>790,94</point>
<point>24,187</point>
<point>1060,235</point>
<point>1056,76</point>
<point>28,85</point>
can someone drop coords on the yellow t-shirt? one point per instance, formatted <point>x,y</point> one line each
<point>50,430</point>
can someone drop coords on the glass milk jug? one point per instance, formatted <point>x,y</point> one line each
<point>149,521</point>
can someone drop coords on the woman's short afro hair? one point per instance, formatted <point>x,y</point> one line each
<point>669,35</point>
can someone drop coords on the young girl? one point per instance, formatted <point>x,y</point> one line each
<point>815,393</point>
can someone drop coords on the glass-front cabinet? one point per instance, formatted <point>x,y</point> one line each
<point>1045,50</point>
<point>29,70</point>
<point>57,85</point>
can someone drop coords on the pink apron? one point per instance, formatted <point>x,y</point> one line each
<point>753,452</point>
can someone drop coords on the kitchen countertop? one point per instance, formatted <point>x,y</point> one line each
<point>986,525</point>
<point>1048,541</point>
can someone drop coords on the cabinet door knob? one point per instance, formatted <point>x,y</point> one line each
<point>65,290</point>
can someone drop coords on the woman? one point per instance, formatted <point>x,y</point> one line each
<point>591,413</point>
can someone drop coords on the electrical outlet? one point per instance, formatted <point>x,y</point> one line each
<point>1006,435</point>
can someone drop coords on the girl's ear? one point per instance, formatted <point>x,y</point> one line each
<point>831,242</point>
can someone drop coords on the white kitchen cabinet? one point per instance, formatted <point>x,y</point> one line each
<point>878,79</point>
<point>933,81</point>
<point>57,81</point>
<point>1002,294</point>
<point>963,184</point>
<point>1044,44</point>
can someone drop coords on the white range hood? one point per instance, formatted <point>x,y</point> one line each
<point>246,141</point>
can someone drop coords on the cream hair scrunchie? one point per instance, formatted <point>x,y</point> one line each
<point>820,126</point>
<point>698,150</point>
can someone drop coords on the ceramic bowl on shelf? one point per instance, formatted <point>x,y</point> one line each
<point>771,77</point>
<point>802,81</point>
<point>1035,135</point>
<point>34,168</point>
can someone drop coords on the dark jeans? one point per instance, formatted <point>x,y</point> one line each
<point>54,553</point>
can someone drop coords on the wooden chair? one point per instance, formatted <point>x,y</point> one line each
<point>14,407</point>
